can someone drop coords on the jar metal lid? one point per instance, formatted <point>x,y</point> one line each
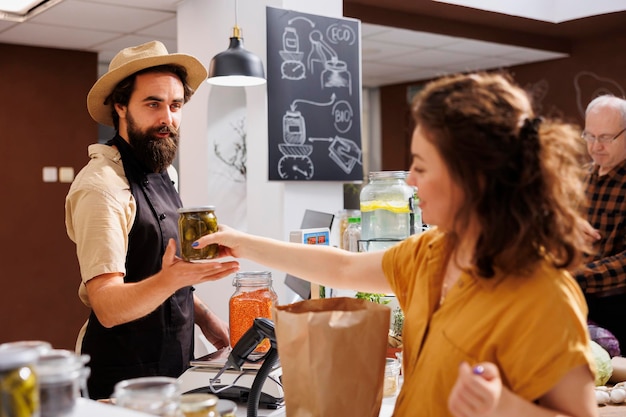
<point>40,345</point>
<point>59,365</point>
<point>196,209</point>
<point>13,357</point>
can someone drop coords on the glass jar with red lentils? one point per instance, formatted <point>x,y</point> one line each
<point>253,297</point>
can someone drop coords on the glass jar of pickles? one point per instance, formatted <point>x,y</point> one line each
<point>253,297</point>
<point>193,223</point>
<point>19,388</point>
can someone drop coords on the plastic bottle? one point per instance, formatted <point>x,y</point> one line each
<point>342,220</point>
<point>415,216</point>
<point>352,235</point>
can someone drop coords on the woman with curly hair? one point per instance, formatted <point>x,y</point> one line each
<point>494,323</point>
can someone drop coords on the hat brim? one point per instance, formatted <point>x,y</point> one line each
<point>101,113</point>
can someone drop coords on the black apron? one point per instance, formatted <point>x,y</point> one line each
<point>160,343</point>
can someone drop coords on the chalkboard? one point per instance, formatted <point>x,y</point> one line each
<point>314,97</point>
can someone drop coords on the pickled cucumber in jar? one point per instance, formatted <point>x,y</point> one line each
<point>193,223</point>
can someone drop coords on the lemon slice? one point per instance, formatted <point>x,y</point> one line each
<point>393,206</point>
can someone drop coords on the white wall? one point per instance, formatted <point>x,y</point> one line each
<point>273,208</point>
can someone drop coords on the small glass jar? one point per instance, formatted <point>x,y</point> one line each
<point>62,378</point>
<point>253,297</point>
<point>19,387</point>
<point>386,208</point>
<point>193,223</point>
<point>392,378</point>
<point>199,405</point>
<point>156,395</point>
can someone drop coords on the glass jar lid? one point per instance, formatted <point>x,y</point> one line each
<point>148,386</point>
<point>39,345</point>
<point>12,357</point>
<point>376,175</point>
<point>252,278</point>
<point>196,209</point>
<point>58,365</point>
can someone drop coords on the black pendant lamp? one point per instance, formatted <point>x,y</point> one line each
<point>236,66</point>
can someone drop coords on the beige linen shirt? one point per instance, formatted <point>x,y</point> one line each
<point>99,214</point>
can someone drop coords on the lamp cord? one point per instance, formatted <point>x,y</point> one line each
<point>236,29</point>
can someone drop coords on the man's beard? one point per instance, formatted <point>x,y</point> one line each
<point>154,152</point>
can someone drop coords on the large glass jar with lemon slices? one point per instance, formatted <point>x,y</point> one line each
<point>386,203</point>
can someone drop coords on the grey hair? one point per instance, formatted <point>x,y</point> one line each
<point>608,100</point>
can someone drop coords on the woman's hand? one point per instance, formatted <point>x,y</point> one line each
<point>477,391</point>
<point>227,238</point>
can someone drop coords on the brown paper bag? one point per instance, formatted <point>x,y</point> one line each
<point>332,353</point>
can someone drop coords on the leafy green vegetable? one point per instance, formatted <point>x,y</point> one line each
<point>398,321</point>
<point>375,298</point>
<point>604,367</point>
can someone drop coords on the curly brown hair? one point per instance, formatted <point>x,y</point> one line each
<point>521,175</point>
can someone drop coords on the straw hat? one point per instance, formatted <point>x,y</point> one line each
<point>131,60</point>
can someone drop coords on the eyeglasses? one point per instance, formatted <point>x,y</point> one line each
<point>603,139</point>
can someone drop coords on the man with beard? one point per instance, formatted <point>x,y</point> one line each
<point>121,211</point>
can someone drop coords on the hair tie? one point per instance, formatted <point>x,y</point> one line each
<point>530,128</point>
<point>529,147</point>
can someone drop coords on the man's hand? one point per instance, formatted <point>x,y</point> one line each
<point>116,302</point>
<point>192,273</point>
<point>214,329</point>
<point>591,233</point>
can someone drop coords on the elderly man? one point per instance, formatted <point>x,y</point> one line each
<point>603,275</point>
<point>121,211</point>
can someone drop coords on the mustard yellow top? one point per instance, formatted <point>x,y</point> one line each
<point>533,327</point>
